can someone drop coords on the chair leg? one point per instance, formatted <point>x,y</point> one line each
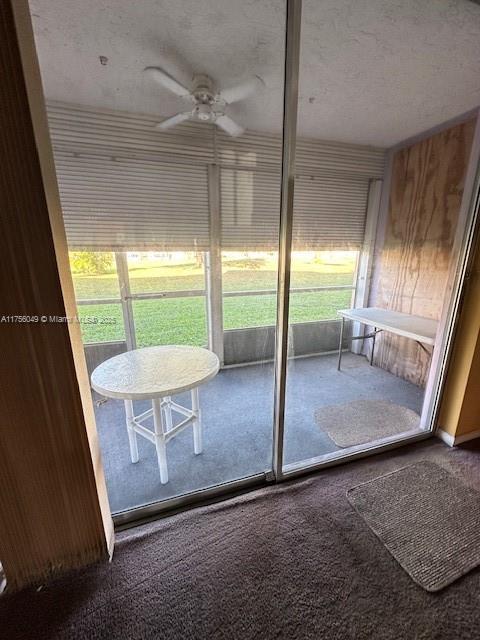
<point>132,436</point>
<point>197,423</point>
<point>160,443</point>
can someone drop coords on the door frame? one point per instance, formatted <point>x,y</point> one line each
<point>460,267</point>
<point>290,109</point>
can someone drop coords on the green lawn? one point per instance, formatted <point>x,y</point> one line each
<point>183,320</point>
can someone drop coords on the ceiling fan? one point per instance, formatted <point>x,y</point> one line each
<point>209,104</point>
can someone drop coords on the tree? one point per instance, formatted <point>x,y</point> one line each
<point>91,262</point>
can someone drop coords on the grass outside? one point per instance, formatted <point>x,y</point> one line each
<point>183,320</point>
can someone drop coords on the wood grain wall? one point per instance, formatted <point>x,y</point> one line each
<point>50,511</point>
<point>425,195</point>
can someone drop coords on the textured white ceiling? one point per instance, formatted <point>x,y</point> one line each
<point>372,71</point>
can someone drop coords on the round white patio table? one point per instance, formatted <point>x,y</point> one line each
<point>156,374</point>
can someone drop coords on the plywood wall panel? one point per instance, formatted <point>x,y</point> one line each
<point>425,196</point>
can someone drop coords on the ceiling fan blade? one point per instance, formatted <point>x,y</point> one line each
<point>229,125</point>
<point>167,81</point>
<point>242,90</point>
<point>174,120</point>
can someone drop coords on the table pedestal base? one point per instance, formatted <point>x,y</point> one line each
<point>164,430</point>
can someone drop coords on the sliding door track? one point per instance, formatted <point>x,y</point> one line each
<point>203,497</point>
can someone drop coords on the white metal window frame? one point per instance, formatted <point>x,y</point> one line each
<point>214,313</point>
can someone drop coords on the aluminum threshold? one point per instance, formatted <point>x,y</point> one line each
<point>297,469</point>
<point>154,511</point>
<point>170,506</point>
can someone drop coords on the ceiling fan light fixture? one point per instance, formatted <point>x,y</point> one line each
<point>204,112</point>
<point>209,103</point>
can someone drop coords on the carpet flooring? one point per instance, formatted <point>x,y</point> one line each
<point>237,413</point>
<point>428,520</point>
<point>293,561</point>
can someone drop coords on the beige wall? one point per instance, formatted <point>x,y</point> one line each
<point>460,408</point>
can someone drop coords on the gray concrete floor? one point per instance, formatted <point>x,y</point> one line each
<point>237,417</point>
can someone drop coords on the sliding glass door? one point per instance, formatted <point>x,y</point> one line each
<point>338,401</point>
<point>371,246</point>
<point>168,148</point>
<point>227,185</point>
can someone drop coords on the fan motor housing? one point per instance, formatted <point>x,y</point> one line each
<point>203,89</point>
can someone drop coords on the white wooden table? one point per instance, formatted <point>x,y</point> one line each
<point>422,330</point>
<point>156,374</point>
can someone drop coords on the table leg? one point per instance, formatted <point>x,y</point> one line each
<point>340,345</point>
<point>168,413</point>
<point>197,422</point>
<point>160,443</point>
<point>373,345</point>
<point>132,436</point>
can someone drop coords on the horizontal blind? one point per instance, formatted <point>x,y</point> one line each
<point>331,192</point>
<point>124,186</point>
<point>81,129</point>
<point>250,204</point>
<point>313,157</point>
<point>126,204</point>
<point>329,213</point>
